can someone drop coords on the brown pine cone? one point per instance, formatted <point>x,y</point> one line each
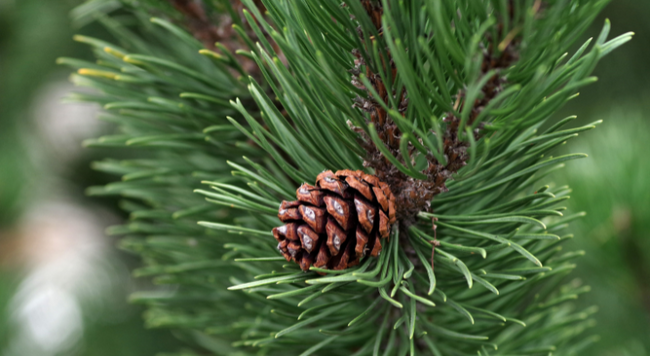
<point>337,222</point>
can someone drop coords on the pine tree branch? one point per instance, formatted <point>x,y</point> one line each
<point>496,225</point>
<point>414,195</point>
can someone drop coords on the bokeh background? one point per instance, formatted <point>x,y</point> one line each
<point>64,284</point>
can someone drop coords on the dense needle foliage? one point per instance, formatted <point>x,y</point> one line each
<point>216,145</point>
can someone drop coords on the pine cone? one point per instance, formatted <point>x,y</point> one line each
<point>334,224</point>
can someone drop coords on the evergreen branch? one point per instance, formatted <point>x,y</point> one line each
<point>393,83</point>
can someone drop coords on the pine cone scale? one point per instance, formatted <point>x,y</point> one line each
<point>308,238</point>
<point>339,209</point>
<point>365,213</point>
<point>337,222</point>
<point>314,217</point>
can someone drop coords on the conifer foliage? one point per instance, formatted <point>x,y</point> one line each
<point>449,103</point>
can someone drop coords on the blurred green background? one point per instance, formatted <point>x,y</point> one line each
<point>63,285</point>
<point>51,239</point>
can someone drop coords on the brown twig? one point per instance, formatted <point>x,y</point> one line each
<point>415,195</point>
<point>211,29</point>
